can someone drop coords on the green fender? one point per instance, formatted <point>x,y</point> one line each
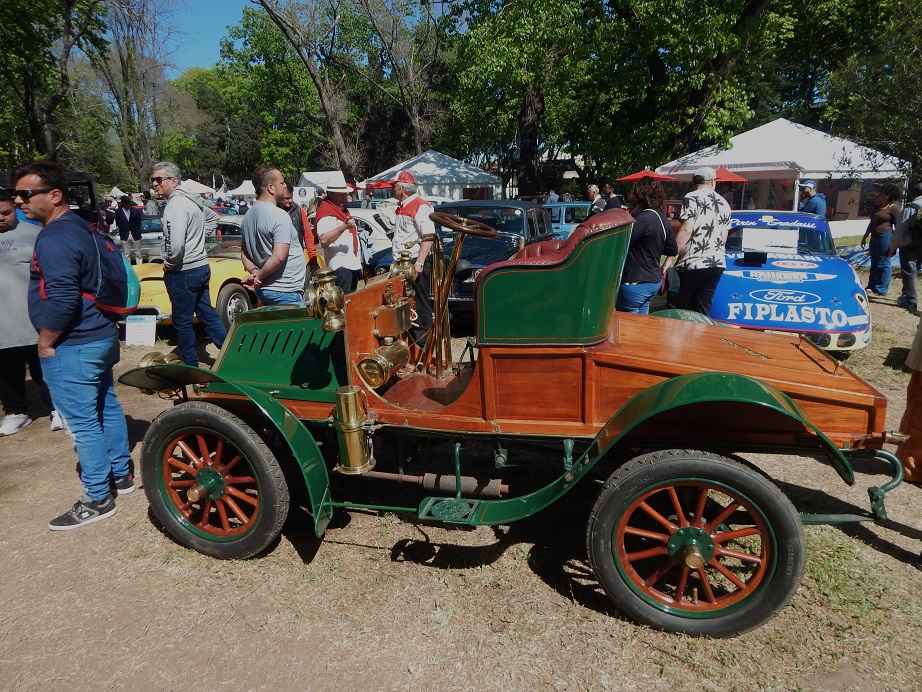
<point>302,443</point>
<point>670,394</point>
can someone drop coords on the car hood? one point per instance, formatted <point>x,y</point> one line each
<point>483,251</point>
<point>802,293</point>
<point>478,251</point>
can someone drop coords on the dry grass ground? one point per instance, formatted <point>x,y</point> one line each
<point>383,603</point>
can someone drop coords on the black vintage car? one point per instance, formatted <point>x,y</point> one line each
<point>519,223</point>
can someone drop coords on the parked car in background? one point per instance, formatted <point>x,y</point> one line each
<point>518,222</point>
<point>565,216</point>
<point>151,237</point>
<point>783,274</point>
<point>228,296</point>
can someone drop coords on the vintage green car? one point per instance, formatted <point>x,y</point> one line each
<point>336,405</point>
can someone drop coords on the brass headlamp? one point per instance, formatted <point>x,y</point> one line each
<point>323,298</point>
<point>406,267</point>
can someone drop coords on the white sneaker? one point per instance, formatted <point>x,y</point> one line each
<point>13,423</point>
<point>57,423</point>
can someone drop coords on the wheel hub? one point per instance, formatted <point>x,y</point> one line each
<point>691,546</point>
<point>208,482</point>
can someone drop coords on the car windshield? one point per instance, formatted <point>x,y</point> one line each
<point>504,219</point>
<point>779,237</point>
<point>227,246</point>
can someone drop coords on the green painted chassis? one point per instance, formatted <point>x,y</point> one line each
<point>317,368</point>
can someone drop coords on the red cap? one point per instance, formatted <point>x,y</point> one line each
<point>405,177</point>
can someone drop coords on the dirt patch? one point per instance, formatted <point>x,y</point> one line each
<point>385,603</point>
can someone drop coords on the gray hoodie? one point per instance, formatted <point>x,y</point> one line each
<point>186,222</point>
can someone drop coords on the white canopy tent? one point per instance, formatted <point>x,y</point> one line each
<point>783,149</point>
<point>196,188</point>
<point>776,156</point>
<point>438,175</point>
<point>115,192</point>
<point>245,189</point>
<point>318,181</point>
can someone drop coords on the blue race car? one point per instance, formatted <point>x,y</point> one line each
<point>783,275</point>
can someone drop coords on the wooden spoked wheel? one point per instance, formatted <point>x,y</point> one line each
<point>213,482</point>
<point>688,541</point>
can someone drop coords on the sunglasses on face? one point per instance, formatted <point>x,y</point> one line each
<point>157,180</point>
<point>27,194</point>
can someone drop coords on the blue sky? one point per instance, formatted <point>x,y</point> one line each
<point>204,23</point>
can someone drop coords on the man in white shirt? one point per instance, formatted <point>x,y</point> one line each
<point>413,225</point>
<point>339,237</point>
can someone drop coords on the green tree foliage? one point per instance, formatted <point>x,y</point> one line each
<point>875,93</point>
<point>269,110</point>
<point>40,39</point>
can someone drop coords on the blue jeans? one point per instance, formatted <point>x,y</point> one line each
<point>188,290</point>
<point>909,265</point>
<point>269,297</point>
<point>79,377</point>
<point>879,280</point>
<point>637,297</point>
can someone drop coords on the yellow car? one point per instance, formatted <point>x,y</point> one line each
<point>228,296</point>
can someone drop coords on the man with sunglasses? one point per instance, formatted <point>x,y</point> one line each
<point>77,344</point>
<point>186,274</point>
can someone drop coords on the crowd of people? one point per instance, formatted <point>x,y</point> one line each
<point>49,265</point>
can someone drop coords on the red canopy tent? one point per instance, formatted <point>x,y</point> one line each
<point>375,185</point>
<point>727,176</point>
<point>634,177</point>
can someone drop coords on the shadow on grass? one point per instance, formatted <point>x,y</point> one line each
<point>896,358</point>
<point>817,501</point>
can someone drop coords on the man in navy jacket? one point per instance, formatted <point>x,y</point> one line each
<point>77,344</point>
<point>128,220</point>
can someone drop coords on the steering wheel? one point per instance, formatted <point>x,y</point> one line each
<point>463,225</point>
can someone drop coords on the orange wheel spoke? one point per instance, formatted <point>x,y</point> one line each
<point>719,519</point>
<point>677,506</point>
<point>190,455</point>
<point>643,533</point>
<point>206,514</point>
<point>644,554</point>
<point>231,464</point>
<point>744,557</point>
<point>724,536</point>
<point>680,587</point>
<point>180,465</point>
<point>176,484</point>
<point>222,513</point>
<point>706,586</point>
<point>737,582</point>
<point>243,496</point>
<point>218,452</point>
<point>658,573</point>
<point>203,449</point>
<point>657,517</point>
<point>239,480</point>
<point>698,519</point>
<point>235,508</point>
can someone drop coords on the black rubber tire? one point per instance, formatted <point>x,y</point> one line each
<point>627,563</point>
<point>232,300</point>
<point>219,527</point>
